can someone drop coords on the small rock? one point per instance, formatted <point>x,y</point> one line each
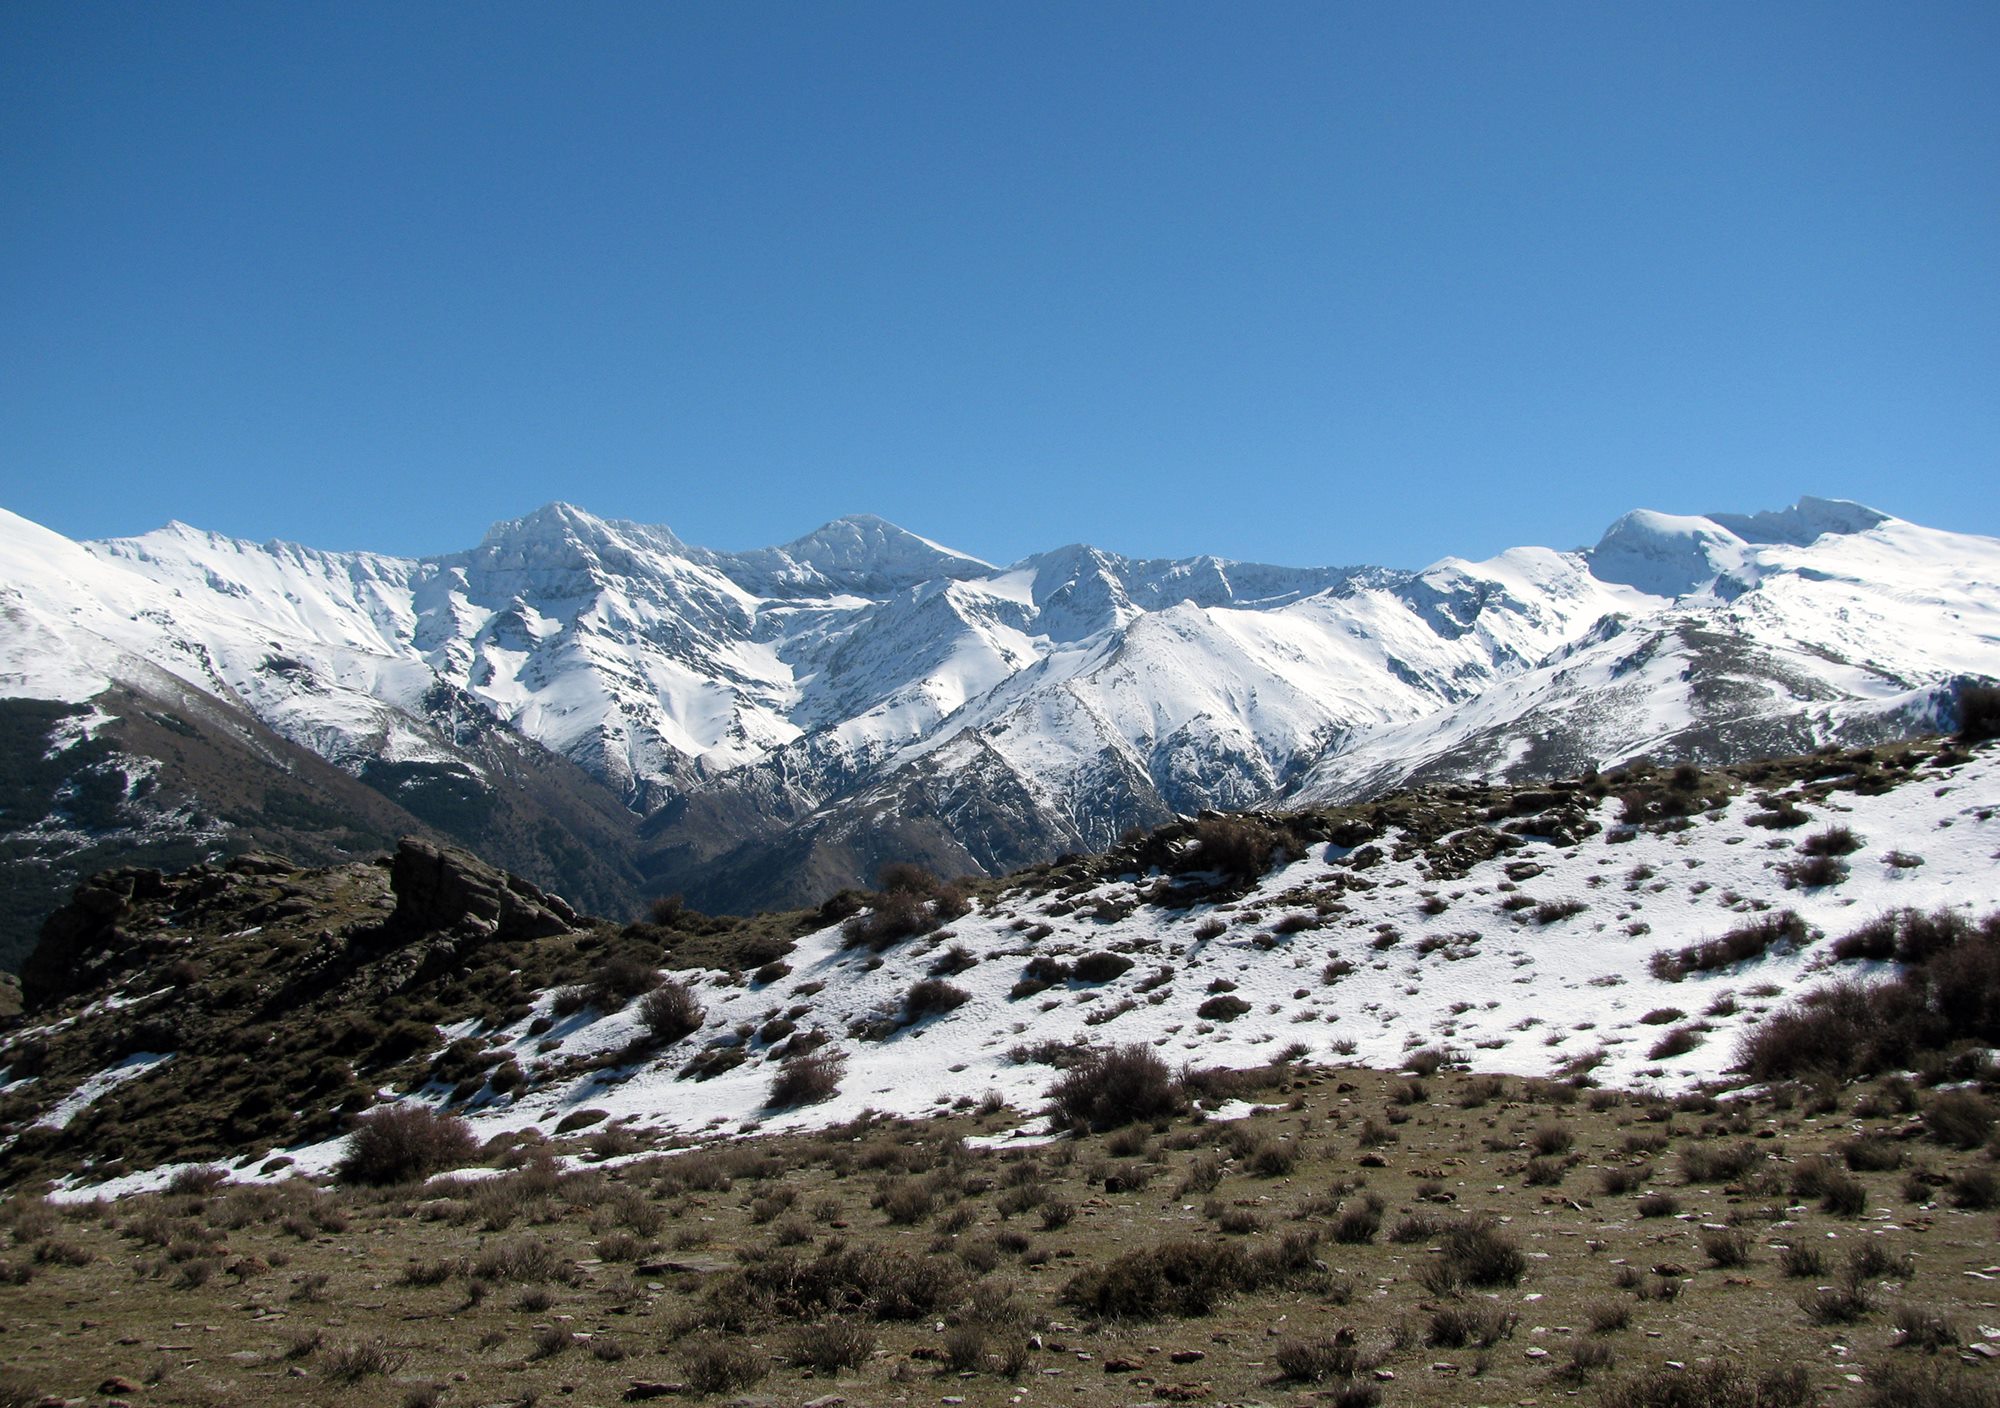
<point>1123,1366</point>
<point>1187,1356</point>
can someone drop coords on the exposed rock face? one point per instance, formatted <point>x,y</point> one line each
<point>440,889</point>
<point>83,944</point>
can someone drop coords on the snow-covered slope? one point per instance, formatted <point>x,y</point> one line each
<point>864,691</point>
<point>1530,931</point>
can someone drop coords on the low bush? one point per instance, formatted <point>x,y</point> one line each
<point>1186,1278</point>
<point>1224,1007</point>
<point>829,1346</point>
<point>722,1366</point>
<point>807,1079</point>
<point>1813,872</point>
<point>1721,1164</point>
<point>1930,1386</point>
<point>1961,1118</point>
<point>1948,992</point>
<point>932,997</point>
<point>1726,1246</point>
<point>1358,1221</point>
<point>1100,967</point>
<point>1833,841</point>
<point>670,1012</point>
<point>1455,1326</point>
<point>402,1143</point>
<point>1978,713</point>
<point>1676,1042</point>
<point>1782,930</point>
<point>1316,1360</point>
<point>1236,849</point>
<point>1719,1383</point>
<point>1116,1086</point>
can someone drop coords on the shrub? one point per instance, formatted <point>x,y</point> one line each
<point>931,997</point>
<point>807,1079</point>
<point>1475,1252</point>
<point>1933,1386</point>
<point>1920,1328</point>
<point>351,1363</point>
<point>1100,967</point>
<point>1781,929</point>
<point>1551,1138</point>
<point>1107,1088</point>
<point>1358,1221</point>
<point>1677,1042</point>
<point>1173,1279</point>
<point>1872,1153</point>
<point>402,1143</point>
<point>1454,1326</point>
<point>831,1345</point>
<point>624,977</point>
<point>1726,1246</point>
<point>1700,1164</point>
<point>1186,1278</point>
<point>1717,1384</point>
<point>722,1366</point>
<point>1224,1007</point>
<point>670,1012</point>
<point>1800,1260</point>
<point>1237,850</point>
<point>1314,1361</point>
<point>1833,841</point>
<point>1961,1118</point>
<point>1978,713</point>
<point>1813,872</point>
<point>1948,992</point>
<point>1975,1189</point>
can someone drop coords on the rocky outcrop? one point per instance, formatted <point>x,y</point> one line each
<point>442,890</point>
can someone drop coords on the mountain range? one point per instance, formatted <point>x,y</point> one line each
<point>616,714</point>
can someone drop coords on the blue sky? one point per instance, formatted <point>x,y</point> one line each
<point>1298,283</point>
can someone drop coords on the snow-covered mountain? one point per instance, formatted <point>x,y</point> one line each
<point>784,720</point>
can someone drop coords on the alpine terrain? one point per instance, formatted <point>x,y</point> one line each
<point>616,715</point>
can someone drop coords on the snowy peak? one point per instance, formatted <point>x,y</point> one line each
<point>1665,554</point>
<point>1804,523</point>
<point>860,554</point>
<point>1674,555</point>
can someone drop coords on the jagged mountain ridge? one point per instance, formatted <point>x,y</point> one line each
<point>787,718</point>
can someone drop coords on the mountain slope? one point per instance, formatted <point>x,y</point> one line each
<point>1546,930</point>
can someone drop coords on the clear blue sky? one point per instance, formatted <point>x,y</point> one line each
<point>1300,283</point>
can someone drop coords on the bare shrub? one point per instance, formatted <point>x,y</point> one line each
<point>829,1346</point>
<point>807,1079</point>
<point>1112,1087</point>
<point>931,997</point>
<point>715,1365</point>
<point>351,1363</point>
<point>402,1143</point>
<point>1781,929</point>
<point>1316,1360</point>
<point>670,1012</point>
